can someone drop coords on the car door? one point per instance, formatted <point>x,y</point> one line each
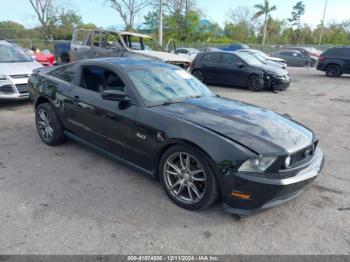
<point>107,124</point>
<point>81,46</point>
<point>211,67</point>
<point>346,57</point>
<point>106,44</point>
<point>233,70</point>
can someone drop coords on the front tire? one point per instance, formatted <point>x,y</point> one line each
<point>333,70</point>
<point>256,83</point>
<point>187,178</point>
<point>48,125</point>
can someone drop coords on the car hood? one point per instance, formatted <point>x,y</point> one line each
<point>19,68</point>
<point>256,128</point>
<point>163,56</point>
<point>276,59</point>
<point>272,69</point>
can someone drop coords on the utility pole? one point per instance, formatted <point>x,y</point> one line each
<point>161,23</point>
<point>322,25</point>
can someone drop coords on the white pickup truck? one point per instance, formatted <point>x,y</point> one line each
<point>105,43</point>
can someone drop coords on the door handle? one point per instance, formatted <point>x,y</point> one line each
<point>76,99</point>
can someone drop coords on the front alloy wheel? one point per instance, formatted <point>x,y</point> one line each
<point>187,178</point>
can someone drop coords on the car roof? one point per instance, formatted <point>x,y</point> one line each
<point>125,62</point>
<point>289,50</point>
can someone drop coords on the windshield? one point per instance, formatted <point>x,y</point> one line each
<point>12,54</point>
<point>249,59</point>
<point>262,54</point>
<point>141,43</point>
<point>259,57</point>
<point>157,85</point>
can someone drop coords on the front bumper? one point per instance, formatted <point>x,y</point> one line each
<point>14,89</point>
<point>279,83</point>
<point>267,192</point>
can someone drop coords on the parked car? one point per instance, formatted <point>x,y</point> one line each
<point>104,43</point>
<point>234,47</point>
<point>262,59</point>
<point>307,51</point>
<point>209,49</point>
<point>45,57</point>
<point>189,53</point>
<point>295,58</point>
<point>238,69</point>
<point>128,108</point>
<point>335,61</point>
<point>267,57</point>
<point>61,51</point>
<point>15,68</point>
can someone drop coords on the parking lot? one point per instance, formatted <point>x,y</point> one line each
<point>71,200</point>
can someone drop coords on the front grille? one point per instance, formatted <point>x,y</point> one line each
<point>22,88</point>
<point>6,89</point>
<point>303,154</point>
<point>19,76</point>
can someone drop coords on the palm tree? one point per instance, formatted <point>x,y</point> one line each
<point>264,9</point>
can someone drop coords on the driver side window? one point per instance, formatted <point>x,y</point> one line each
<point>99,79</point>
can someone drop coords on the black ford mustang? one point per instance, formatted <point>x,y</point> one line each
<point>162,121</point>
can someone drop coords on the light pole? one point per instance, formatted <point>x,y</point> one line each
<point>161,23</point>
<point>322,25</point>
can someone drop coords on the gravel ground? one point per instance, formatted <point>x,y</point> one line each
<point>71,200</point>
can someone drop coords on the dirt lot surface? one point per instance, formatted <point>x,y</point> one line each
<point>71,200</point>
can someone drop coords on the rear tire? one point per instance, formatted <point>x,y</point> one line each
<point>256,83</point>
<point>48,125</point>
<point>187,178</point>
<point>333,70</point>
<point>199,75</point>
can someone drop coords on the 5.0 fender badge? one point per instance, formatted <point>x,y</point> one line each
<point>142,136</point>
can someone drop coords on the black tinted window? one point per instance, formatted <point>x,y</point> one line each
<point>339,52</point>
<point>286,53</point>
<point>64,73</point>
<point>98,79</point>
<point>212,57</point>
<point>229,59</point>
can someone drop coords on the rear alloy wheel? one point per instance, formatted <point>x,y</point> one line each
<point>256,83</point>
<point>333,70</point>
<point>199,75</point>
<point>187,178</point>
<point>48,125</point>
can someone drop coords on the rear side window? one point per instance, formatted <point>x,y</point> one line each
<point>229,59</point>
<point>98,79</point>
<point>212,57</point>
<point>65,73</point>
<point>337,52</point>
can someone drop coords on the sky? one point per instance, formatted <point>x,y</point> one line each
<point>99,12</point>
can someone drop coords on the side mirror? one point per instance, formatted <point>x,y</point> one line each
<point>239,64</point>
<point>115,95</point>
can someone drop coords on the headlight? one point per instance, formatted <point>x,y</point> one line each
<point>287,162</point>
<point>3,77</point>
<point>257,165</point>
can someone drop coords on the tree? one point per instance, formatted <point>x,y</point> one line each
<point>128,9</point>
<point>264,9</point>
<point>44,10</point>
<point>298,11</point>
<point>241,20</point>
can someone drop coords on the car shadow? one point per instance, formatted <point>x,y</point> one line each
<point>239,88</point>
<point>13,105</point>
